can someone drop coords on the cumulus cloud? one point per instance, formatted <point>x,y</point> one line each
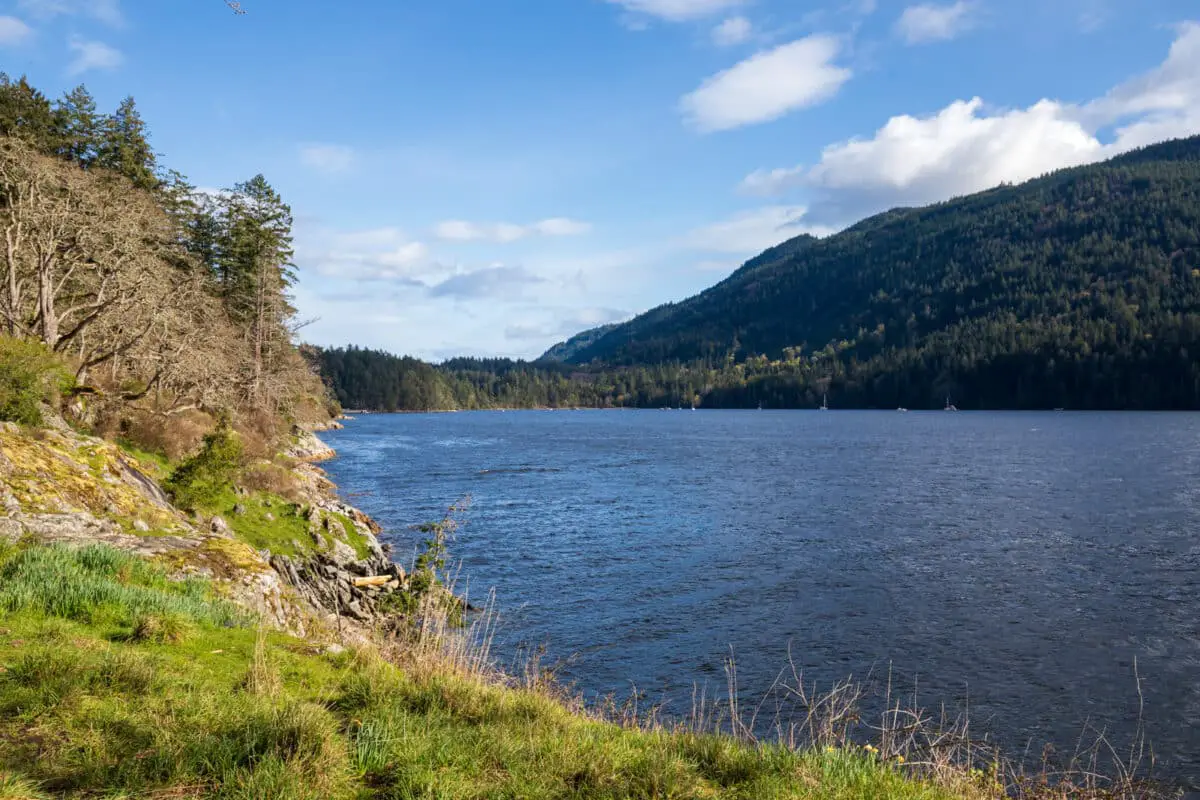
<point>504,232</point>
<point>967,147</point>
<point>13,32</point>
<point>89,55</point>
<point>768,85</point>
<point>106,11</point>
<point>327,158</point>
<point>732,31</point>
<point>677,10</point>
<point>930,22</point>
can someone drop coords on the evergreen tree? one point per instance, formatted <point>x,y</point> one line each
<point>82,127</point>
<point>26,114</point>
<point>256,271</point>
<point>125,149</point>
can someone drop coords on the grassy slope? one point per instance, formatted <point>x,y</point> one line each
<point>115,682</point>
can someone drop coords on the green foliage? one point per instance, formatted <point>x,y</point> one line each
<point>99,582</point>
<point>200,481</point>
<point>30,376</point>
<point>429,588</point>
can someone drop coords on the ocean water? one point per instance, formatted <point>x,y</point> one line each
<point>1036,569</point>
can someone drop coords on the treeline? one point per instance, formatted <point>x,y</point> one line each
<point>160,298</point>
<point>378,381</point>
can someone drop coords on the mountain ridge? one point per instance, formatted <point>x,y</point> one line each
<point>976,257</point>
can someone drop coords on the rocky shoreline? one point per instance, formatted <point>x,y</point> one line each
<point>61,487</point>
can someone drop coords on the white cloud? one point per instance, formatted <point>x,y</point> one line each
<point>106,11</point>
<point>967,147</point>
<point>560,226</point>
<point>328,158</point>
<point>377,254</point>
<point>503,232</point>
<point>768,85</point>
<point>732,31</point>
<point>13,31</point>
<point>929,22</point>
<point>751,232</point>
<point>89,55</point>
<point>766,183</point>
<point>677,10</point>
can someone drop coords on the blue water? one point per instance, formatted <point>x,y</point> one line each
<point>1015,563</point>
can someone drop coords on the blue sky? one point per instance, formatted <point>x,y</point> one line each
<point>487,177</point>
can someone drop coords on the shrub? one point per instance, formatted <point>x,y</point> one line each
<point>161,628</point>
<point>30,376</point>
<point>273,479</point>
<point>201,479</point>
<point>173,436</point>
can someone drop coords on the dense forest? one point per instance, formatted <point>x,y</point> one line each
<point>157,300</point>
<point>1080,289</point>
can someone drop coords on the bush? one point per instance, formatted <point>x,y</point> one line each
<point>272,479</point>
<point>172,436</point>
<point>201,480</point>
<point>30,376</point>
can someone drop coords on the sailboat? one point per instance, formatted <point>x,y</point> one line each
<point>824,402</point>
<point>950,406</point>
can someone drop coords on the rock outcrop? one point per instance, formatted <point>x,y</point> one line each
<point>307,447</point>
<point>61,487</point>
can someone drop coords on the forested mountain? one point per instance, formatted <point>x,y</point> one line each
<point>568,350</point>
<point>1078,289</point>
<point>158,299</point>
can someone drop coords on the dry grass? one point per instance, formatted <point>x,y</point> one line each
<point>932,748</point>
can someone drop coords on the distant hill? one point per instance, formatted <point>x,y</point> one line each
<point>1080,288</point>
<point>566,351</point>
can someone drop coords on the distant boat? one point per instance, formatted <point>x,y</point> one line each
<point>760,406</point>
<point>950,406</point>
<point>902,409</point>
<point>824,403</point>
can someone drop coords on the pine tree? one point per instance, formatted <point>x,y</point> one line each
<point>256,272</point>
<point>81,126</point>
<point>125,148</point>
<point>26,114</point>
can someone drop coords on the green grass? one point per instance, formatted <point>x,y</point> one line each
<point>156,465</point>
<point>99,582</point>
<point>89,709</point>
<point>271,522</point>
<point>353,537</point>
<point>268,522</point>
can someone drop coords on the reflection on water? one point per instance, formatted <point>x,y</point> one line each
<point>1018,562</point>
